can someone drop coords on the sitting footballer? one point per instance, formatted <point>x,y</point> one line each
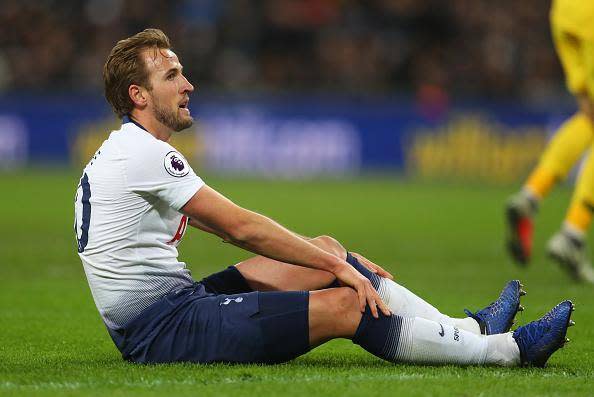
<point>138,194</point>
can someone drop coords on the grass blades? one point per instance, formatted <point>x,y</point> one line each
<point>442,241</point>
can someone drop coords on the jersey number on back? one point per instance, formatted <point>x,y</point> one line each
<point>83,193</point>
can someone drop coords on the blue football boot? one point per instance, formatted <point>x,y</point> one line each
<point>498,317</point>
<point>539,339</point>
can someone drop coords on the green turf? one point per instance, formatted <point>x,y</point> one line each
<point>442,241</point>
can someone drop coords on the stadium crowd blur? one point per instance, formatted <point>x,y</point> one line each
<point>495,49</point>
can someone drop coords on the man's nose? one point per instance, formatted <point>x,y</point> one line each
<point>188,87</point>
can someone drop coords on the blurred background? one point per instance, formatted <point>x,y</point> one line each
<point>463,89</point>
<point>398,127</point>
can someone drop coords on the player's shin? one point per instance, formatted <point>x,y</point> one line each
<point>404,303</point>
<point>417,340</point>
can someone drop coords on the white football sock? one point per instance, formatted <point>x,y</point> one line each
<point>502,349</point>
<point>404,303</point>
<point>417,340</point>
<point>573,231</point>
<point>429,342</point>
<point>425,341</point>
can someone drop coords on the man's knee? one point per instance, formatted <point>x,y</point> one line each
<point>333,313</point>
<point>336,300</point>
<point>330,244</point>
<point>346,300</point>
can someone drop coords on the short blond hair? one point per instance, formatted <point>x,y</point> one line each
<point>124,67</point>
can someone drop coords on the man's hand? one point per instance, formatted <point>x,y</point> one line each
<point>348,275</point>
<point>372,266</point>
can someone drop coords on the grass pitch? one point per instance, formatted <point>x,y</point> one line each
<point>445,242</point>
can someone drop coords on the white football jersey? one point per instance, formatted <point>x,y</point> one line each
<point>128,224</point>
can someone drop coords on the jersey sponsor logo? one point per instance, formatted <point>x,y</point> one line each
<point>442,333</point>
<point>456,334</point>
<point>229,300</point>
<point>176,165</point>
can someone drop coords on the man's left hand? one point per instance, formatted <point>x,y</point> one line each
<point>372,266</point>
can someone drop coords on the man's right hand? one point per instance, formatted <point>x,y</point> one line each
<point>348,275</point>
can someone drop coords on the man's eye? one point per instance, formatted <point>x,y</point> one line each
<point>171,77</point>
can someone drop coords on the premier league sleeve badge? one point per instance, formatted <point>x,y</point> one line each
<point>176,165</point>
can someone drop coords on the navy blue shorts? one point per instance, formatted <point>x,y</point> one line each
<point>198,325</point>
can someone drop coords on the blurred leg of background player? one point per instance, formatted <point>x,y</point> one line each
<point>568,246</point>
<point>568,145</point>
<point>264,274</point>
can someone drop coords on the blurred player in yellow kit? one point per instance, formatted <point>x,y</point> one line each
<point>572,26</point>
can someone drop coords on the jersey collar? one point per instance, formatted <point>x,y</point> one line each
<point>127,119</point>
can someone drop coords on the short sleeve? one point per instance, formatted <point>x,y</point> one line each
<point>160,170</point>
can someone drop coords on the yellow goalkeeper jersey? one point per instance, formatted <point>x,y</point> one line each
<point>574,16</point>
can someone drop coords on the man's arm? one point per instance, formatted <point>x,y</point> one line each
<point>214,213</point>
<point>364,261</point>
<point>199,225</point>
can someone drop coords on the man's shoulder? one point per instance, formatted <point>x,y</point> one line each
<point>148,158</point>
<point>137,143</point>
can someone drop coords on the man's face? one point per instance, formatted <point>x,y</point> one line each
<point>170,89</point>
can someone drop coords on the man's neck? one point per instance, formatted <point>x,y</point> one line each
<point>151,125</point>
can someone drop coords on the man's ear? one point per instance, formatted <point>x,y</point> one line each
<point>138,95</point>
